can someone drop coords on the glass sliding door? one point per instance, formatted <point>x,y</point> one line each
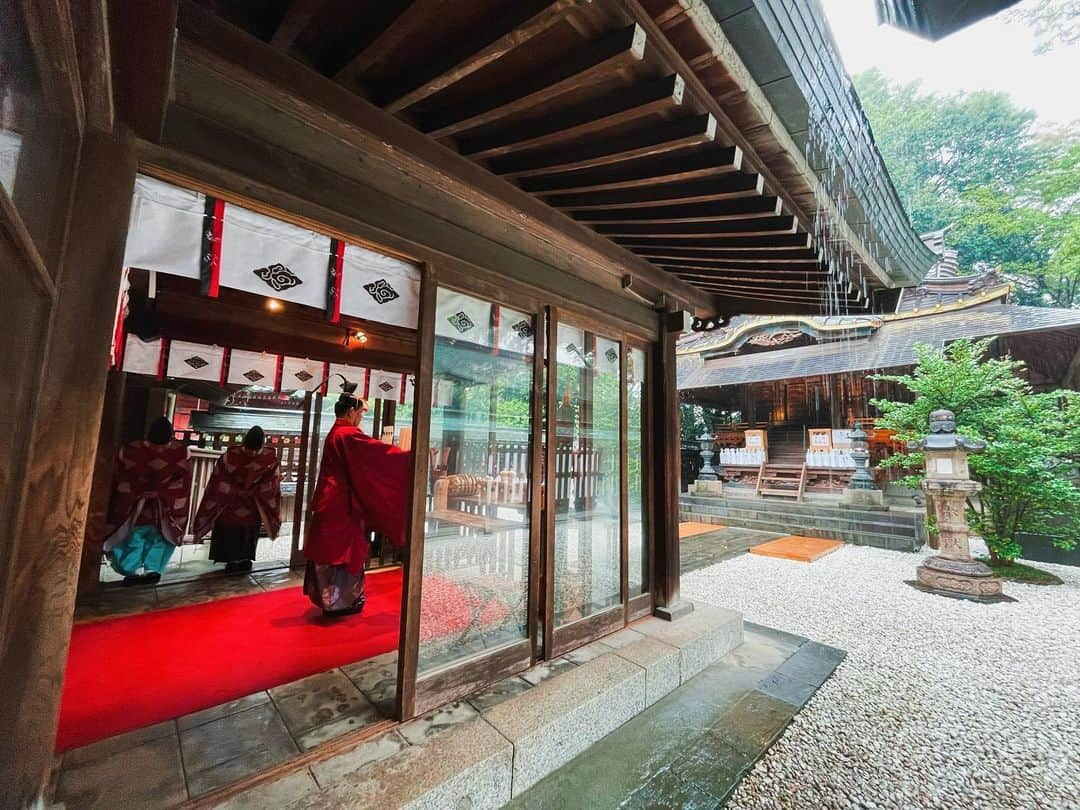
<point>637,517</point>
<point>587,508</point>
<point>474,590</point>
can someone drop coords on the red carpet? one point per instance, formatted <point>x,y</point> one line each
<point>131,672</point>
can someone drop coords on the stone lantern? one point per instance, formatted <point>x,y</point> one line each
<point>952,571</point>
<point>708,482</point>
<point>860,454</point>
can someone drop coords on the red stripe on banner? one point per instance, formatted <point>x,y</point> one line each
<point>401,398</point>
<point>326,378</point>
<point>162,359</point>
<point>367,381</point>
<point>226,356</point>
<point>496,316</point>
<point>119,344</point>
<point>277,374</point>
<point>334,283</point>
<point>212,282</point>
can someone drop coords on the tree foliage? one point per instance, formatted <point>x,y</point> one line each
<point>1055,23</point>
<point>1030,466</point>
<point>976,162</point>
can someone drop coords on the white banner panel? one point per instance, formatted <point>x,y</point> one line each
<point>385,385</point>
<point>379,288</point>
<point>516,333</point>
<point>301,374</point>
<point>607,357</point>
<point>269,257</point>
<point>354,374</point>
<point>252,368</point>
<point>463,317</point>
<point>195,361</point>
<point>166,228</point>
<point>571,346</point>
<point>409,394</point>
<point>142,356</point>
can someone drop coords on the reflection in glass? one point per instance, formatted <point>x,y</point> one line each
<point>635,462</point>
<point>587,504</point>
<point>476,532</point>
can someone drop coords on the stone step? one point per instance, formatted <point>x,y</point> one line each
<point>804,508</point>
<point>484,761</point>
<point>865,521</point>
<point>893,542</point>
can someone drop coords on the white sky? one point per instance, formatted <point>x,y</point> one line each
<point>993,54</point>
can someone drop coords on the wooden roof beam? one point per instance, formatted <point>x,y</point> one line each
<point>763,226</point>
<point>667,137</point>
<point>639,173</point>
<point>414,15</point>
<point>521,23</point>
<point>803,268</point>
<point>777,257</point>
<point>619,107</point>
<point>735,185</point>
<point>746,208</point>
<point>769,284</point>
<point>592,60</point>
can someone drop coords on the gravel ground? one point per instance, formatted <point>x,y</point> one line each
<point>940,702</point>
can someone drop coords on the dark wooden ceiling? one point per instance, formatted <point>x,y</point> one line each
<point>572,102</point>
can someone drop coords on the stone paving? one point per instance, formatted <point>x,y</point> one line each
<point>705,549</point>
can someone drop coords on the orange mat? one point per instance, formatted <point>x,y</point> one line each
<point>794,547</point>
<point>689,529</point>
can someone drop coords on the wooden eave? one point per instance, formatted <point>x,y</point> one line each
<point>576,124</point>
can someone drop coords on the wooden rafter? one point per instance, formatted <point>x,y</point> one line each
<point>746,208</point>
<point>659,140</point>
<point>724,187</point>
<point>616,108</point>
<point>811,268</point>
<point>724,243</point>
<point>590,61</point>
<point>639,173</point>
<point>780,257</point>
<point>416,13</point>
<point>524,21</point>
<point>296,19</point>
<point>763,226</point>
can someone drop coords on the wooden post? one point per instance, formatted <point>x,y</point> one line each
<point>666,452</point>
<point>409,635</point>
<point>50,516</point>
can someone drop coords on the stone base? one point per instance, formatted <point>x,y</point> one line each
<point>708,487</point>
<point>670,613</point>
<point>863,498</point>
<point>966,579</point>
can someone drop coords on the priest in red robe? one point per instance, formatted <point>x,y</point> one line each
<point>363,486</point>
<point>150,503</point>
<point>242,495</point>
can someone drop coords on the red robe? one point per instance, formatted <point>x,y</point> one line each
<point>243,490</point>
<point>153,488</point>
<point>363,485</point>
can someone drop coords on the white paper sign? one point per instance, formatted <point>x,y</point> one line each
<point>301,374</point>
<point>166,228</point>
<point>252,368</point>
<point>195,361</point>
<point>142,356</point>
<point>379,288</point>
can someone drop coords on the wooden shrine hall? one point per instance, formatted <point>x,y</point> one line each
<point>497,217</point>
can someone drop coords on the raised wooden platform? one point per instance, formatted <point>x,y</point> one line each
<point>692,529</point>
<point>795,547</point>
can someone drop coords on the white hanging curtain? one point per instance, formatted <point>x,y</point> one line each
<point>269,257</point>
<point>195,361</point>
<point>379,288</point>
<point>385,385</point>
<point>143,356</point>
<point>516,331</point>
<point>165,233</point>
<point>252,368</point>
<point>301,374</point>
<point>463,317</point>
<point>354,374</point>
<point>409,393</point>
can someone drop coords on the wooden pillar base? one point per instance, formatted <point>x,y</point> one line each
<point>673,612</point>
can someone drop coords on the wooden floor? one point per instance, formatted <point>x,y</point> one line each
<point>794,547</point>
<point>692,529</point>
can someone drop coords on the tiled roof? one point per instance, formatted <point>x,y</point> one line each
<point>891,346</point>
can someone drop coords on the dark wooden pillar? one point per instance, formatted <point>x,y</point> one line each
<point>51,513</point>
<point>666,451</point>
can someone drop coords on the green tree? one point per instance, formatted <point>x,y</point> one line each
<point>1029,469</point>
<point>975,161</point>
